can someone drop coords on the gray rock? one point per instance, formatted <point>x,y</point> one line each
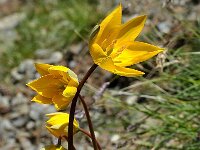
<point>16,75</point>
<point>26,66</point>
<point>20,121</point>
<point>11,144</point>
<point>30,125</point>
<point>25,143</point>
<point>6,125</point>
<point>164,27</point>
<point>11,21</point>
<point>19,99</point>
<point>4,104</point>
<point>76,48</point>
<point>55,57</point>
<point>22,109</point>
<point>72,64</point>
<point>38,111</point>
<point>43,53</point>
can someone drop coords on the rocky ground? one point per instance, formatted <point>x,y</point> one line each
<point>22,121</point>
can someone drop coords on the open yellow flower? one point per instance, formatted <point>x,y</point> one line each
<point>53,147</point>
<point>58,124</point>
<point>113,47</point>
<point>57,85</point>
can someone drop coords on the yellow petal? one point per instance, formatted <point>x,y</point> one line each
<point>97,53</point>
<point>69,91</point>
<point>57,114</point>
<point>65,73</point>
<point>53,147</point>
<point>42,100</point>
<point>111,21</point>
<point>58,118</point>
<point>108,65</point>
<point>131,29</point>
<point>61,102</point>
<point>46,86</point>
<point>42,69</point>
<point>56,133</point>
<point>127,72</point>
<point>74,79</point>
<point>58,124</point>
<point>59,71</point>
<point>136,52</point>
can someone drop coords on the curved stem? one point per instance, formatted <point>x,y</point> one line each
<point>89,135</point>
<point>73,107</point>
<point>89,121</point>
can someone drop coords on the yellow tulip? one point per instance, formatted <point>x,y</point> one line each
<point>53,147</point>
<point>57,85</point>
<point>58,124</point>
<point>113,47</point>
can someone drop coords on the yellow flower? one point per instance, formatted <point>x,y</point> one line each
<point>113,47</point>
<point>58,124</point>
<point>53,147</point>
<point>57,85</point>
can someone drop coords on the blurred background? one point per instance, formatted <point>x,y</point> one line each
<point>159,111</point>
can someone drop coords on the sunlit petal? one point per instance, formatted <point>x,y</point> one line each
<point>136,52</point>
<point>58,124</point>
<point>46,86</point>
<point>42,69</point>
<point>97,53</point>
<point>42,100</point>
<point>127,72</point>
<point>60,101</point>
<point>131,29</point>
<point>53,147</point>
<point>113,19</point>
<point>109,65</point>
<point>69,91</point>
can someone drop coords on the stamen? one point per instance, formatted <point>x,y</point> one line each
<point>109,49</point>
<point>119,51</point>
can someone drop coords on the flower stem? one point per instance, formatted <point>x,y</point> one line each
<point>94,141</point>
<point>89,135</point>
<point>67,141</point>
<point>73,107</point>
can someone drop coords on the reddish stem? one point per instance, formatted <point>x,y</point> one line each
<point>89,135</point>
<point>73,107</point>
<point>89,121</point>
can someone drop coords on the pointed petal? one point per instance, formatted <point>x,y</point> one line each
<point>97,53</point>
<point>42,69</point>
<point>108,65</point>
<point>65,73</point>
<point>61,102</point>
<point>58,118</point>
<point>56,133</point>
<point>46,86</point>
<point>57,114</point>
<point>131,29</point>
<point>58,71</point>
<point>127,72</point>
<point>136,52</point>
<point>42,100</point>
<point>112,20</point>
